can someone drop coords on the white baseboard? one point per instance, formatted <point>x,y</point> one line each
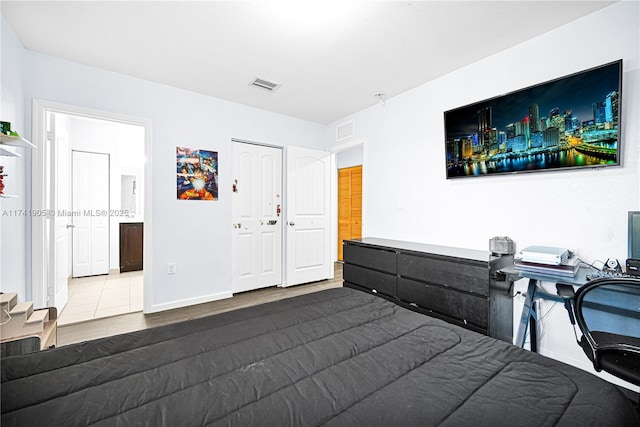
<point>188,301</point>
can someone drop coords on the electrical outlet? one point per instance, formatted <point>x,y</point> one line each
<point>171,268</point>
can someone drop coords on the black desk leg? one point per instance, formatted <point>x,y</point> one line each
<point>526,319</point>
<point>533,330</point>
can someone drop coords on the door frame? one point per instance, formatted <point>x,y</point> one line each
<point>335,150</point>
<point>41,247</point>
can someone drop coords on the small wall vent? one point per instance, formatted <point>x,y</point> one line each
<point>345,131</point>
<point>264,84</point>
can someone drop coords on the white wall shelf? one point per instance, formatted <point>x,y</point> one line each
<point>12,141</point>
<point>15,141</point>
<point>8,153</point>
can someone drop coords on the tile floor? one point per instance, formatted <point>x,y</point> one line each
<point>102,296</point>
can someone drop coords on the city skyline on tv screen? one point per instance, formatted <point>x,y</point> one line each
<point>569,122</point>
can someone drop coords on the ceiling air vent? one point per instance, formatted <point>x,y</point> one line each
<point>345,131</point>
<point>264,84</point>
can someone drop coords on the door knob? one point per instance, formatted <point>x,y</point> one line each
<point>291,223</point>
<point>71,226</point>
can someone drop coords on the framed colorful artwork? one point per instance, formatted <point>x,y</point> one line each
<point>197,174</point>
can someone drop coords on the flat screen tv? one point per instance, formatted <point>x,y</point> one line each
<point>567,123</point>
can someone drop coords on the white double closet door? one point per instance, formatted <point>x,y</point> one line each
<point>257,217</point>
<point>90,216</point>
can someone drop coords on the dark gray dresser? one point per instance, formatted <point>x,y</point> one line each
<point>461,286</point>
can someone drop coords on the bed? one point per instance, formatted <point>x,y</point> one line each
<point>338,357</point>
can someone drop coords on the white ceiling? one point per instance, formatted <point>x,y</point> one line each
<point>330,57</point>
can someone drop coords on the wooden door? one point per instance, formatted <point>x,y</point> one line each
<point>349,205</point>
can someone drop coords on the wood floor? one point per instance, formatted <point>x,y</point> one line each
<point>114,325</point>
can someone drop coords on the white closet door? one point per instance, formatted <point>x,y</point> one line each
<point>269,215</point>
<point>257,225</point>
<point>91,214</point>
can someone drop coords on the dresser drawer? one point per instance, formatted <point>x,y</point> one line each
<point>458,305</point>
<point>375,280</point>
<point>460,275</point>
<point>370,257</point>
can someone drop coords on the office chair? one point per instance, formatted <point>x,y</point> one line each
<point>607,311</point>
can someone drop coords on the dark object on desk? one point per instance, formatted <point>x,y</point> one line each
<point>612,265</point>
<point>633,267</point>
<point>338,357</point>
<point>634,235</point>
<point>608,313</point>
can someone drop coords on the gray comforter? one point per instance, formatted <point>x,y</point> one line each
<point>337,357</point>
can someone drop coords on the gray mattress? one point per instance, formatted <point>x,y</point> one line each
<point>337,357</point>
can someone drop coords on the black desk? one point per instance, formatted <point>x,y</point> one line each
<point>528,319</point>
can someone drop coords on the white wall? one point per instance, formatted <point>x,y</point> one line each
<point>125,146</point>
<point>585,210</point>
<point>14,230</point>
<point>196,235</point>
<point>349,158</point>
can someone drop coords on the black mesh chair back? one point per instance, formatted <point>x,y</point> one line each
<point>607,311</point>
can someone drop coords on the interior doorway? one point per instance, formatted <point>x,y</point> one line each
<point>349,205</point>
<point>348,193</point>
<point>124,143</point>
